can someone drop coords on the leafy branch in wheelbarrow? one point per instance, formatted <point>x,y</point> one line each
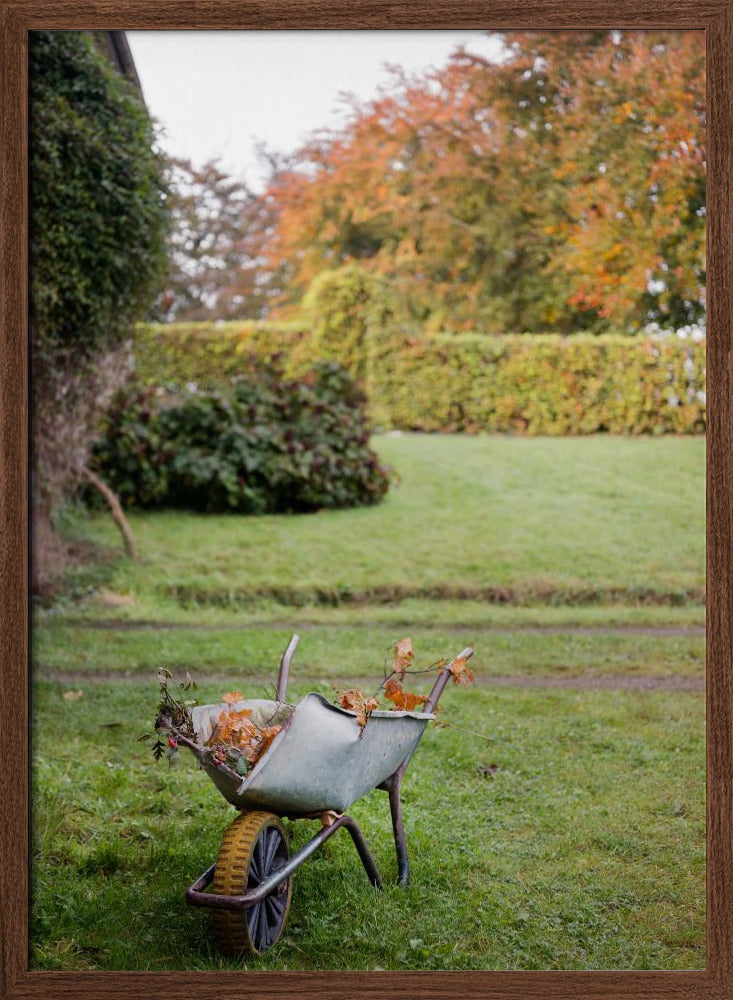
<point>402,658</point>
<point>236,740</point>
<point>174,714</point>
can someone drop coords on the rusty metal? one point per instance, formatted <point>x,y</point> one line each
<point>196,896</point>
<point>442,680</point>
<point>282,677</point>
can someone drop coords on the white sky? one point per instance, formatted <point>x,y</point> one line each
<point>216,93</point>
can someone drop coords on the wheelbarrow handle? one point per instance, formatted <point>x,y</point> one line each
<point>442,680</point>
<point>282,677</point>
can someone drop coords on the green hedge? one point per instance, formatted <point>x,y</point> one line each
<point>554,385</point>
<point>525,384</point>
<point>209,354</point>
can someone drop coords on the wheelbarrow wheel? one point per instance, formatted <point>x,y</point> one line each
<point>253,847</point>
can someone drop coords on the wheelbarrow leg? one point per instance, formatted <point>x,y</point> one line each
<point>395,807</point>
<point>363,851</point>
<point>392,784</point>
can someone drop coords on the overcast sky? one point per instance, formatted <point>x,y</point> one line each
<point>217,93</point>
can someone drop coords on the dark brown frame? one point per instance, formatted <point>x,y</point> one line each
<point>17,17</point>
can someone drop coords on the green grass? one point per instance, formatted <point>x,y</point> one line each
<point>585,849</point>
<point>327,652</point>
<point>560,560</point>
<point>103,608</point>
<point>543,519</point>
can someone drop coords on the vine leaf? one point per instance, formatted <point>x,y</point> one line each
<point>402,699</point>
<point>462,673</point>
<point>403,657</point>
<point>355,701</point>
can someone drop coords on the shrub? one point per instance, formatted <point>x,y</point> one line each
<point>131,454</point>
<point>347,308</point>
<point>263,445</point>
<point>98,187</point>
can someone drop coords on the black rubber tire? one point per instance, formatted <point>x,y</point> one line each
<point>253,847</point>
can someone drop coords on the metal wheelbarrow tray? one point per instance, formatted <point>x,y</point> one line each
<point>317,766</point>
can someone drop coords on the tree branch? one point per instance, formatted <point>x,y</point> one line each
<point>118,516</point>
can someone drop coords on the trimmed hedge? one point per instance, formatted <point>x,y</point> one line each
<point>538,384</point>
<point>209,354</point>
<point>553,385</point>
<point>346,309</point>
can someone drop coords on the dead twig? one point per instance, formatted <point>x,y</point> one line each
<point>112,501</point>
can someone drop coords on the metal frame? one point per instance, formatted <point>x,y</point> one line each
<point>196,896</point>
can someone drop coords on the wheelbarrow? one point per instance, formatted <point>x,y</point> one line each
<point>317,766</point>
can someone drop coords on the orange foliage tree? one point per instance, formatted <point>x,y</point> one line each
<point>560,188</point>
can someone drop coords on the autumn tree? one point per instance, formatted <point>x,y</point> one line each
<point>218,224</point>
<point>633,136</point>
<point>490,198</point>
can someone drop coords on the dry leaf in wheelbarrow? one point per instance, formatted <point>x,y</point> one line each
<point>237,730</point>
<point>355,701</point>
<point>403,657</point>
<point>402,699</point>
<point>232,727</point>
<point>462,674</point>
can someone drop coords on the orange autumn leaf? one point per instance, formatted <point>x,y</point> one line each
<point>267,735</point>
<point>402,699</point>
<point>237,730</point>
<point>462,674</point>
<point>232,697</point>
<point>355,701</point>
<point>251,746</point>
<point>403,656</point>
<point>232,727</point>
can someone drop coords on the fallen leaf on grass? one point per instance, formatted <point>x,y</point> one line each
<point>72,695</point>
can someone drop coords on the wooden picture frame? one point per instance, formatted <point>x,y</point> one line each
<point>17,18</point>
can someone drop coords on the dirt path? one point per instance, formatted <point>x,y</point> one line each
<point>585,682</point>
<point>144,626</point>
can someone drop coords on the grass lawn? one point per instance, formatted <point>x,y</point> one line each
<point>569,563</point>
<point>550,519</point>
<point>583,849</point>
<point>329,652</point>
